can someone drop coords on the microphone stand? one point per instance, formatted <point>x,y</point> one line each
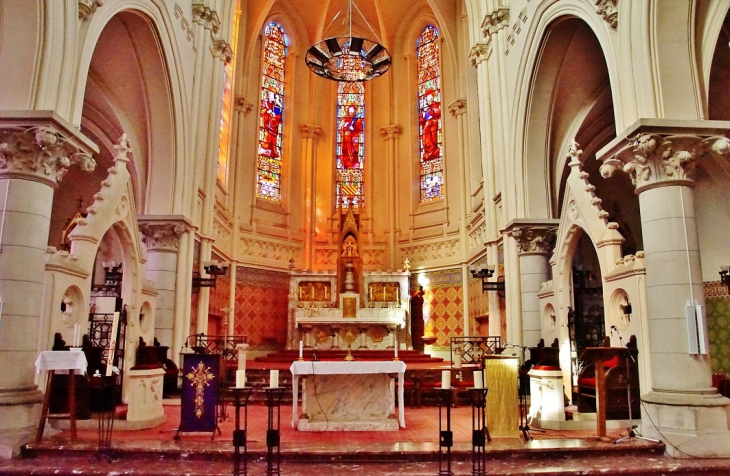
<point>631,430</point>
<point>522,392</point>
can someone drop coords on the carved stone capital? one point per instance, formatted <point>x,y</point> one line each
<point>222,50</point>
<point>310,131</point>
<point>163,234</point>
<point>656,159</point>
<point>40,153</point>
<point>495,21</point>
<point>241,104</point>
<point>391,132</point>
<point>207,18</point>
<point>88,7</point>
<point>608,10</point>
<point>537,240</point>
<point>480,52</point>
<point>458,107</point>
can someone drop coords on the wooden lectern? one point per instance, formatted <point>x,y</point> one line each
<point>599,355</point>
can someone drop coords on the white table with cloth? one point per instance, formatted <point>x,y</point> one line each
<point>347,396</point>
<point>60,361</point>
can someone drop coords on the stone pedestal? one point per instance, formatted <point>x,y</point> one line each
<point>145,396</point>
<point>546,397</point>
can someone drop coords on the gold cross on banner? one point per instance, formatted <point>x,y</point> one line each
<point>199,377</point>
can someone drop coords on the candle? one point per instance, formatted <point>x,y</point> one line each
<point>240,378</point>
<point>273,378</point>
<point>396,348</point>
<point>76,334</point>
<point>446,379</point>
<point>301,349</point>
<point>478,379</point>
<point>457,359</point>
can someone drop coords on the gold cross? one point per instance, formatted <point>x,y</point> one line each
<point>199,378</point>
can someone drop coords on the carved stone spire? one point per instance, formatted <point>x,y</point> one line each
<point>39,153</point>
<point>653,159</point>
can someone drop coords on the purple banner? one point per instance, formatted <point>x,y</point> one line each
<point>199,392</point>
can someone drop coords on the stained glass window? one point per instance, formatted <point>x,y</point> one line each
<point>270,119</point>
<point>429,114</point>
<point>227,110</point>
<point>350,144</point>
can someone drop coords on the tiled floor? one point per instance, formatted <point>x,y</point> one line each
<point>410,451</point>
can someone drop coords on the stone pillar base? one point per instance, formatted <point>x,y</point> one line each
<point>689,424</point>
<point>20,410</point>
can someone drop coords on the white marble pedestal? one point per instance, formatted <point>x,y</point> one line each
<point>546,397</point>
<point>347,396</point>
<point>145,396</point>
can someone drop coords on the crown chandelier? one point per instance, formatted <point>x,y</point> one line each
<point>348,58</point>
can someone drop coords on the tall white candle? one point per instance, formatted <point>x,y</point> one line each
<point>301,349</point>
<point>446,379</point>
<point>396,347</point>
<point>478,379</point>
<point>240,378</point>
<point>457,359</point>
<point>273,378</point>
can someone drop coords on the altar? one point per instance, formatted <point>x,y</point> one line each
<point>347,396</point>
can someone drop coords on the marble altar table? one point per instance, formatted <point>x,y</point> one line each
<point>347,396</point>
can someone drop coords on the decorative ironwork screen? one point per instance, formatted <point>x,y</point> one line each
<point>100,330</point>
<point>473,348</point>
<point>222,345</point>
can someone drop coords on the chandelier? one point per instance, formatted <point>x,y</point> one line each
<point>348,58</point>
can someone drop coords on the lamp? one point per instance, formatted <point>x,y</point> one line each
<point>485,273</point>
<point>348,58</point>
<point>724,276</point>
<point>214,268</point>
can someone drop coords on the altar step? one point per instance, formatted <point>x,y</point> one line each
<point>407,356</point>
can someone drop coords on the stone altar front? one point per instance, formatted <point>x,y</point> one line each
<point>347,396</point>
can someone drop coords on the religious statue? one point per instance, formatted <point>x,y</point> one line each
<point>350,128</point>
<point>429,121</point>
<point>271,110</point>
<point>417,325</point>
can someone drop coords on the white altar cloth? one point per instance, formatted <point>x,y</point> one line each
<point>346,368</point>
<point>61,360</point>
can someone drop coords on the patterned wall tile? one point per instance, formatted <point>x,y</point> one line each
<point>443,306</point>
<point>717,301</point>
<point>261,307</point>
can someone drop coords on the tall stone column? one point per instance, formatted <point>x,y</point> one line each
<point>535,240</point>
<point>36,149</point>
<point>310,134</point>
<point>161,235</point>
<point>390,135</point>
<point>682,409</point>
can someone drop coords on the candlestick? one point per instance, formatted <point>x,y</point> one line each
<point>478,379</point>
<point>273,378</point>
<point>446,379</point>
<point>240,378</point>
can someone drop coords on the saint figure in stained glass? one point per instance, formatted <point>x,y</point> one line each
<point>429,114</point>
<point>271,114</point>
<point>350,144</point>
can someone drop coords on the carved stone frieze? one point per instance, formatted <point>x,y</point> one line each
<point>391,132</point>
<point>495,21</point>
<point>221,233</point>
<point>477,236</point>
<point>653,160</point>
<point>269,250</point>
<point>458,107</point>
<point>431,251</point>
<point>608,10</point>
<point>40,153</point>
<point>534,239</point>
<point>162,236</point>
<point>480,52</point>
<point>88,7</point>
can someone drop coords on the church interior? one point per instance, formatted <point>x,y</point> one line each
<point>438,231</point>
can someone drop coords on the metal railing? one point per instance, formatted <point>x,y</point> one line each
<point>222,345</point>
<point>473,348</point>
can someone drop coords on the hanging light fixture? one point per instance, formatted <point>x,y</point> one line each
<point>348,58</point>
